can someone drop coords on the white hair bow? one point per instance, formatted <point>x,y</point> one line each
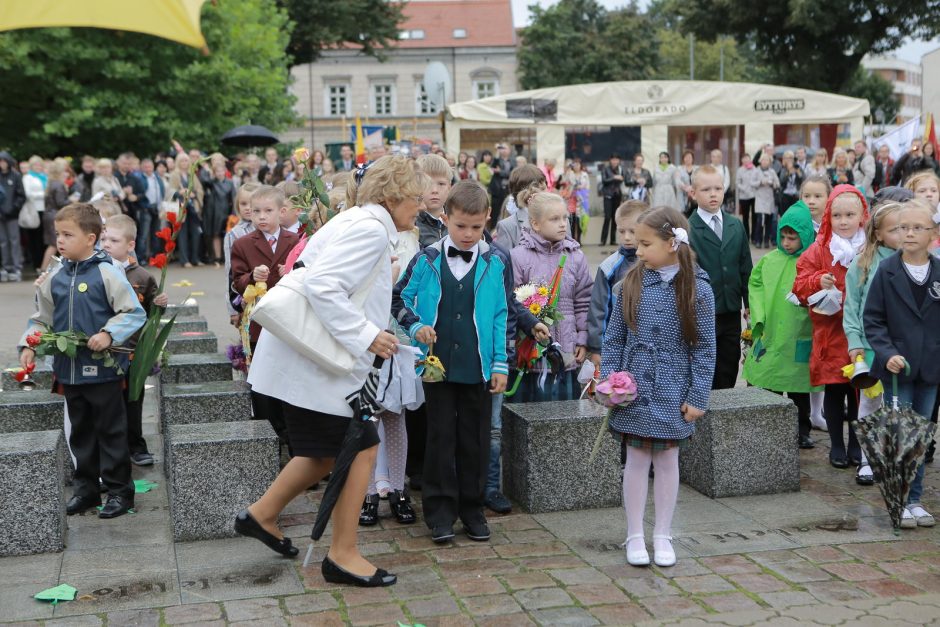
<point>680,236</point>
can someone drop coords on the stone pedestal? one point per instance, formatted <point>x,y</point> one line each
<point>41,376</point>
<point>38,410</point>
<point>196,368</point>
<point>546,450</point>
<point>187,323</point>
<point>192,342</point>
<point>213,401</point>
<point>745,444</point>
<point>32,490</point>
<point>214,471</point>
<point>181,310</point>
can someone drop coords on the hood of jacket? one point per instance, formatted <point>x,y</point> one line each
<point>825,229</point>
<point>533,241</point>
<point>798,218</point>
<point>5,156</point>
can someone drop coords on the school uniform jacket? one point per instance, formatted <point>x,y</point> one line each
<point>253,250</point>
<point>727,260</point>
<point>895,325</point>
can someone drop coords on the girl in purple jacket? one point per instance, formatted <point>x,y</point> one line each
<point>534,260</point>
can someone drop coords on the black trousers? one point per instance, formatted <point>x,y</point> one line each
<point>416,426</point>
<point>728,349</point>
<point>458,452</point>
<point>610,211</point>
<point>496,209</point>
<point>135,417</point>
<point>99,439</point>
<point>840,405</point>
<point>747,210</point>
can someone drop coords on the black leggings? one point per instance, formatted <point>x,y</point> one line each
<point>840,405</point>
<point>747,210</point>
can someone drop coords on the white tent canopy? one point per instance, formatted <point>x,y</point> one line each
<point>653,106</point>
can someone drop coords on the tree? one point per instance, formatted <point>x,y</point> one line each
<point>815,45</point>
<point>578,41</point>
<point>674,59</point>
<point>878,92</point>
<point>72,91</point>
<point>372,24</point>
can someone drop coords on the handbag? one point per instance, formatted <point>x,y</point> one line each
<point>285,313</point>
<point>29,217</point>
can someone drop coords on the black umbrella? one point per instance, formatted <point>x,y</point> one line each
<point>895,440</point>
<point>365,408</point>
<point>249,136</point>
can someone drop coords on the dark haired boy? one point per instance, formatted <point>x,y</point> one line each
<point>88,294</point>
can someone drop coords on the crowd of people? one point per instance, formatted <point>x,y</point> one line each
<point>423,267</point>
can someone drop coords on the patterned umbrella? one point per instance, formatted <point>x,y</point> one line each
<point>895,440</point>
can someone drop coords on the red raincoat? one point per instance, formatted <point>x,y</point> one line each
<point>830,348</point>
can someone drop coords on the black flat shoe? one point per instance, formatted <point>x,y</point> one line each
<point>866,479</point>
<point>369,514</point>
<point>400,503</point>
<point>116,506</point>
<point>807,442</point>
<point>78,504</point>
<point>334,574</point>
<point>245,525</point>
<point>839,462</point>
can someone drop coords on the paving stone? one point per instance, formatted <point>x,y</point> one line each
<point>669,606</point>
<point>620,614</point>
<point>408,589</point>
<point>137,618</point>
<point>552,561</point>
<point>509,620</point>
<point>475,586</point>
<point>454,554</point>
<point>252,609</point>
<point>320,619</point>
<point>354,597</point>
<point>682,568</point>
<point>87,620</point>
<point>800,571</point>
<point>260,622</point>
<point>888,588</point>
<point>598,594</point>
<point>905,568</point>
<point>851,571</point>
<point>753,582</point>
<point>834,591</point>
<point>525,581</point>
<point>729,564</point>
<point>731,602</point>
<point>648,586</point>
<point>529,535</point>
<point>575,616</point>
<point>436,606</point>
<point>38,410</point>
<point>491,605</point>
<point>833,614</point>
<point>883,551</point>
<point>576,576</point>
<point>703,584</point>
<point>823,554</point>
<point>538,598</point>
<point>512,551</point>
<point>193,613</point>
<point>788,598</point>
<point>385,614</point>
<point>308,603</point>
<point>478,567</point>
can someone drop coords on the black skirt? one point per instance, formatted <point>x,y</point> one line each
<point>315,434</point>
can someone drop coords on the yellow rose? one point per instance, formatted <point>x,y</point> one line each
<point>301,155</point>
<point>535,308</point>
<point>543,291</point>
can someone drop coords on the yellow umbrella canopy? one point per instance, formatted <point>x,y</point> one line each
<point>176,20</point>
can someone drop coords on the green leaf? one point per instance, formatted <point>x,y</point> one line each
<point>71,349</point>
<point>62,344</point>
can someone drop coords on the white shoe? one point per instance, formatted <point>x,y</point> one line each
<point>819,423</point>
<point>664,556</point>
<point>907,520</point>
<point>636,558</point>
<point>921,516</point>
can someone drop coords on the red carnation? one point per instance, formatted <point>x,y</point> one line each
<point>34,339</point>
<point>165,234</point>
<point>159,261</point>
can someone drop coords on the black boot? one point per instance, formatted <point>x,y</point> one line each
<point>369,515</point>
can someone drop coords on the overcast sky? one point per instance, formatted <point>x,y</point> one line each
<point>911,52</point>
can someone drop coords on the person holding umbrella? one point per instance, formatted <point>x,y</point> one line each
<point>902,313</point>
<point>350,253</point>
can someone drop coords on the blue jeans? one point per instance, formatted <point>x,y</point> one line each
<point>189,239</point>
<point>496,445</point>
<point>145,230</point>
<point>920,396</point>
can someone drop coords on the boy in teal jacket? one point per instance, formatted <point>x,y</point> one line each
<point>782,333</point>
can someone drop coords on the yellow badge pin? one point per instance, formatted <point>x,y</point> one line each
<point>82,287</point>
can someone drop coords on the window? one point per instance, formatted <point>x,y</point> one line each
<point>460,33</point>
<point>486,87</point>
<point>411,34</point>
<point>383,99</point>
<point>337,100</point>
<point>422,105</point>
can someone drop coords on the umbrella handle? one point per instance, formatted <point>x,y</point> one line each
<point>894,385</point>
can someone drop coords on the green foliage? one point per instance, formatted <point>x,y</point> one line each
<point>878,92</point>
<point>674,59</point>
<point>72,91</point>
<point>804,43</point>
<point>372,24</point>
<point>578,41</point>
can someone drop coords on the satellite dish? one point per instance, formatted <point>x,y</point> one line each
<point>437,84</point>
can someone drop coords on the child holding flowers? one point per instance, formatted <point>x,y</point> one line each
<point>664,335</point>
<point>534,261</point>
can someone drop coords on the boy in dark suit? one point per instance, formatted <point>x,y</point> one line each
<point>256,257</point>
<point>721,246</point>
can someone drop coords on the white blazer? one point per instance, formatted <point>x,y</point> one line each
<point>339,258</point>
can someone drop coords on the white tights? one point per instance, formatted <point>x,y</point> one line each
<point>389,473</point>
<point>665,492</point>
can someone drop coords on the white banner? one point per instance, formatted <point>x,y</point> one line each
<point>899,140</point>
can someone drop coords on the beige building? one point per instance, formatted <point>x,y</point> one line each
<point>474,39</point>
<point>930,68</point>
<point>906,79</point>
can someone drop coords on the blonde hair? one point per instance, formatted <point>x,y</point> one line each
<point>919,178</point>
<point>104,161</point>
<point>123,224</point>
<point>707,170</point>
<point>839,152</point>
<point>878,215</point>
<point>630,209</point>
<point>821,152</point>
<point>540,203</point>
<point>107,208</point>
<point>920,205</point>
<point>265,192</point>
<point>57,168</point>
<point>435,165</point>
<point>216,159</point>
<point>390,179</point>
<point>248,188</point>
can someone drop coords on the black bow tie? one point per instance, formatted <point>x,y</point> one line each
<point>466,255</point>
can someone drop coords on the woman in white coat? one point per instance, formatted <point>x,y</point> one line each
<point>665,182</point>
<point>351,249</point>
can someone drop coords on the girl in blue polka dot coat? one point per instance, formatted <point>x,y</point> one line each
<point>664,336</point>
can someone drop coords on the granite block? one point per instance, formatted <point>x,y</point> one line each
<point>38,410</point>
<point>181,310</point>
<point>196,368</point>
<point>41,377</point>
<point>187,323</point>
<point>192,342</point>
<point>745,444</point>
<point>211,401</point>
<point>554,440</point>
<point>214,471</point>
<point>31,464</point>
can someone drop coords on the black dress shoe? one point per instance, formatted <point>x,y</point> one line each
<point>247,526</point>
<point>442,534</point>
<point>116,506</point>
<point>335,574</point>
<point>498,502</point>
<point>78,504</point>
<point>400,503</point>
<point>807,442</point>
<point>414,483</point>
<point>839,462</point>
<point>477,531</point>
<point>855,460</point>
<point>369,514</point>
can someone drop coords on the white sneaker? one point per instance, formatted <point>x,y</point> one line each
<point>922,516</point>
<point>907,520</point>
<point>663,555</point>
<point>639,557</point>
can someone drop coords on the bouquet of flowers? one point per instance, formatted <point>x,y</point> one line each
<point>236,355</point>
<point>67,343</point>
<point>747,340</point>
<point>617,390</point>
<point>433,368</point>
<point>250,298</point>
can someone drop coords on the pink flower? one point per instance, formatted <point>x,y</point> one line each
<point>617,389</point>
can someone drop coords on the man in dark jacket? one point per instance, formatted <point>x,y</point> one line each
<point>611,185</point>
<point>12,198</point>
<point>499,185</point>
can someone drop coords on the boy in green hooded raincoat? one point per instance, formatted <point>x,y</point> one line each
<point>782,333</point>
